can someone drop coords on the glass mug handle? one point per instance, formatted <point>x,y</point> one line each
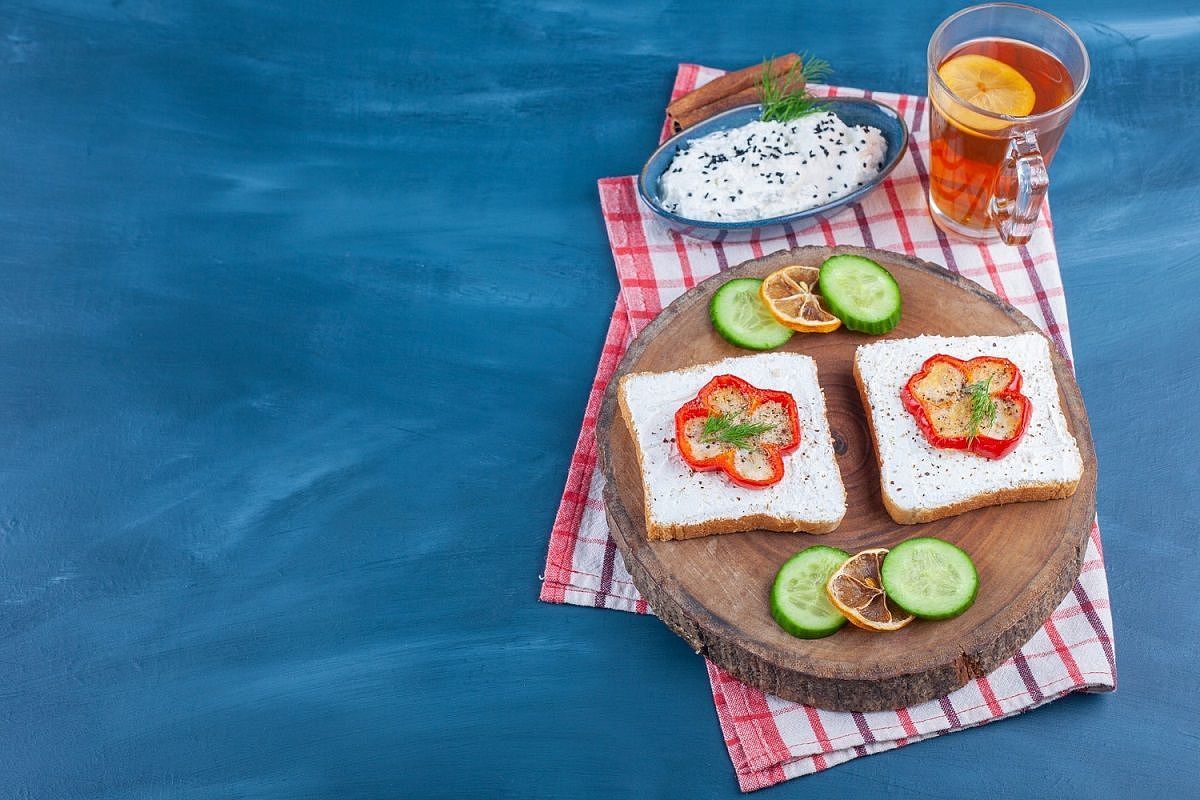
<point>1020,186</point>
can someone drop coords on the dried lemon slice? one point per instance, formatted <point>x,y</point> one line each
<point>788,295</point>
<point>989,84</point>
<point>856,590</point>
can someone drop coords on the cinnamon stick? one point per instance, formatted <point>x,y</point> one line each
<point>730,90</point>
<point>689,118</point>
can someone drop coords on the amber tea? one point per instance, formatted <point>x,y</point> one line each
<point>965,160</point>
<point>1003,82</point>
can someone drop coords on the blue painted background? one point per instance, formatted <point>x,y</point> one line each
<point>299,306</point>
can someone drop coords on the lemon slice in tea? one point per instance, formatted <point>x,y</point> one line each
<point>989,84</point>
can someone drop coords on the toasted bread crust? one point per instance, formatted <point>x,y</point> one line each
<point>750,522</point>
<point>658,532</point>
<point>1054,490</point>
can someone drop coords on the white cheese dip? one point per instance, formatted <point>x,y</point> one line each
<point>768,169</point>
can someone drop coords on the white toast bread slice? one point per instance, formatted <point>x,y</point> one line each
<point>921,483</point>
<point>681,503</point>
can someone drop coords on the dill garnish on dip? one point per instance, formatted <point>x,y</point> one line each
<point>796,157</point>
<point>785,98</point>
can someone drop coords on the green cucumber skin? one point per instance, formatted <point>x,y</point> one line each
<point>730,333</point>
<point>874,328</point>
<point>915,609</point>
<point>799,632</point>
<point>850,317</point>
<point>780,612</point>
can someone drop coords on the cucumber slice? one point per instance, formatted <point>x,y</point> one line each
<point>861,293</point>
<point>929,578</point>
<point>798,599</point>
<point>739,314</point>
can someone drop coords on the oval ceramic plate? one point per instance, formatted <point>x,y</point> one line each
<point>851,111</point>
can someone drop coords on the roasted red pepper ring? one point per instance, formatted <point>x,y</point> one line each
<point>738,429</point>
<point>939,398</point>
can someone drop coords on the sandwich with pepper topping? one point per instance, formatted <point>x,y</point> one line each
<point>960,423</point>
<point>735,445</point>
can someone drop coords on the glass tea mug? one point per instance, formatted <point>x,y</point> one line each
<point>987,169</point>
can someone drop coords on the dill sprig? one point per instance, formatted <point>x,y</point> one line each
<point>725,428</point>
<point>785,97</point>
<point>814,69</point>
<point>983,407</point>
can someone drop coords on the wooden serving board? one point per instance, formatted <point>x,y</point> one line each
<point>713,591</point>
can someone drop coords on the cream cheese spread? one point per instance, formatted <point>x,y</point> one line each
<point>768,169</point>
<point>811,488</point>
<point>914,473</point>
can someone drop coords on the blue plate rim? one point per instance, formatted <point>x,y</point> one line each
<point>846,199</point>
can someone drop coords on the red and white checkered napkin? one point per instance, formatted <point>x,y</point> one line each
<point>769,739</point>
